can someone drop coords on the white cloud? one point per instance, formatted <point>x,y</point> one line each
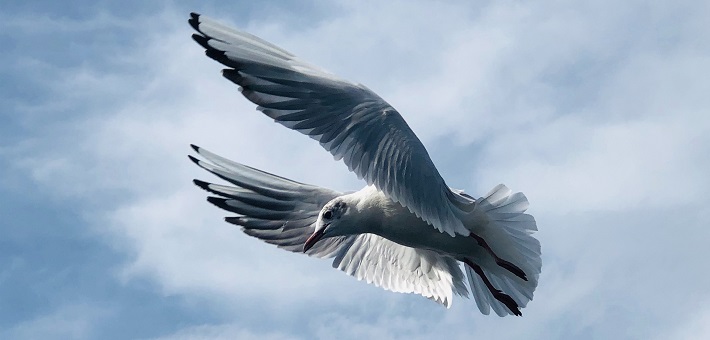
<point>614,167</point>
<point>227,331</point>
<point>696,328</point>
<point>601,125</point>
<point>72,321</point>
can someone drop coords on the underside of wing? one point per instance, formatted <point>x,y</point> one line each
<point>272,208</point>
<point>349,120</point>
<point>284,212</point>
<point>397,268</point>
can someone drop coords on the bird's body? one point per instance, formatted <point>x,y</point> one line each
<point>376,214</point>
<point>406,231</point>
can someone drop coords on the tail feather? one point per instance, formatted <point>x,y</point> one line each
<point>484,298</point>
<point>500,219</point>
<point>481,295</point>
<point>506,212</point>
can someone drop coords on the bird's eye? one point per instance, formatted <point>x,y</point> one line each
<point>327,215</point>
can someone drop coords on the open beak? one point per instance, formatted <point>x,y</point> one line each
<point>313,239</point>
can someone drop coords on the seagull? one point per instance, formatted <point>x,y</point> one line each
<point>406,230</point>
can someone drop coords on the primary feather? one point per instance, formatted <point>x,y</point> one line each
<point>350,121</point>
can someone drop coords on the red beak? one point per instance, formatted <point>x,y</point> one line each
<point>313,239</point>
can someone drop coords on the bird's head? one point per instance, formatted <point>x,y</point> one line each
<point>333,220</point>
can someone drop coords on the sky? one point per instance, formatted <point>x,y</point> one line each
<point>597,110</point>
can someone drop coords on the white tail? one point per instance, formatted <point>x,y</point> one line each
<point>499,218</point>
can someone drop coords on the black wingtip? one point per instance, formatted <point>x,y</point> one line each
<point>218,201</point>
<point>202,184</point>
<point>233,75</point>
<point>201,40</point>
<point>193,159</point>
<point>219,56</point>
<point>195,147</point>
<point>194,21</point>
<point>233,220</point>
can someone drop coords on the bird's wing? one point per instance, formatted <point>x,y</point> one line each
<point>349,120</point>
<point>397,268</point>
<point>272,208</point>
<point>283,212</point>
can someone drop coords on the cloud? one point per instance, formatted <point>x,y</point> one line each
<point>226,331</point>
<point>698,327</point>
<point>614,167</point>
<point>73,321</point>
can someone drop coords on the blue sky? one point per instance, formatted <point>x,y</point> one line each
<point>597,110</point>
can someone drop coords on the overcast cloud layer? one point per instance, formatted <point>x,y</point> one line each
<point>598,111</point>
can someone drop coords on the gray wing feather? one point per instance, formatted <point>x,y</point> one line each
<point>284,212</point>
<point>272,208</point>
<point>349,120</point>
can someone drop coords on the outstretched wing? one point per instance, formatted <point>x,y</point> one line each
<point>284,212</point>
<point>350,121</point>
<point>397,268</point>
<point>272,208</point>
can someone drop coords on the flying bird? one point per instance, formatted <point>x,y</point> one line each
<point>406,230</point>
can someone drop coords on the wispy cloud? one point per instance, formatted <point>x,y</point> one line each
<point>226,331</point>
<point>73,321</point>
